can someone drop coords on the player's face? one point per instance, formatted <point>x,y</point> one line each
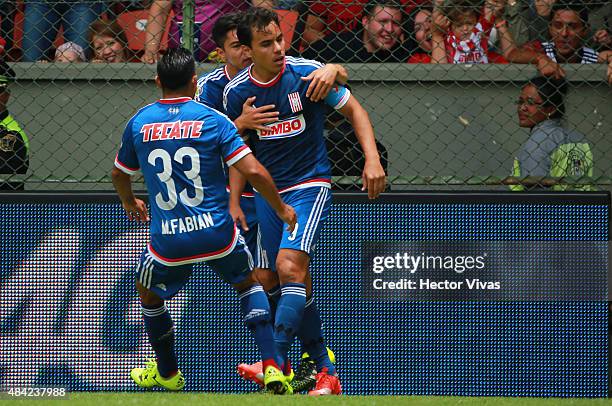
<point>383,28</point>
<point>236,55</point>
<point>530,108</point>
<point>422,29</point>
<point>567,32</point>
<point>108,49</point>
<point>268,48</point>
<point>464,25</point>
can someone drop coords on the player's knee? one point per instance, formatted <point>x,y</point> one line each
<point>266,278</point>
<point>291,271</point>
<point>148,297</point>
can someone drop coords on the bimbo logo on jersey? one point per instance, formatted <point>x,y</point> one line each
<point>283,129</point>
<point>174,130</point>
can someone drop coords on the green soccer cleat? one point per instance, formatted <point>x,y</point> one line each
<point>305,377</point>
<point>276,382</point>
<point>149,377</point>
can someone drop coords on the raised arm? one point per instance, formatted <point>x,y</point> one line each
<point>156,24</point>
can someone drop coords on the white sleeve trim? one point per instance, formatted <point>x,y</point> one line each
<point>124,168</point>
<point>246,151</point>
<point>343,100</point>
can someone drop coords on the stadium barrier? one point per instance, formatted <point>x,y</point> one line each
<point>69,315</point>
<point>442,126</point>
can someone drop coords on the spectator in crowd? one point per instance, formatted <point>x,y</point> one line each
<point>461,32</point>
<point>332,16</point>
<point>569,32</point>
<point>206,13</point>
<point>529,20</point>
<point>43,19</point>
<point>108,42</point>
<point>70,52</point>
<point>551,151</point>
<point>380,40</point>
<point>14,143</point>
<point>462,37</point>
<point>600,21</point>
<point>421,28</point>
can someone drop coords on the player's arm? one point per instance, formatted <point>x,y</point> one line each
<point>374,178</point>
<point>237,182</point>
<point>323,79</point>
<point>135,208</point>
<point>260,178</point>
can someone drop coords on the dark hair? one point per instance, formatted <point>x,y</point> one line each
<point>580,9</point>
<point>223,25</point>
<point>257,18</point>
<point>108,29</point>
<point>552,91</point>
<point>368,9</point>
<point>176,68</point>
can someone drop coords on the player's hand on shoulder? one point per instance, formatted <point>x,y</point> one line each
<point>255,118</point>
<point>136,210</point>
<point>374,178</point>
<point>321,82</point>
<point>287,214</point>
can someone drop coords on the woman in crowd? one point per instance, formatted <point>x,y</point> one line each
<point>552,151</point>
<point>108,42</point>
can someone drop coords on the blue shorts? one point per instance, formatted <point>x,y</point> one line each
<point>312,206</point>
<point>167,281</point>
<point>252,237</point>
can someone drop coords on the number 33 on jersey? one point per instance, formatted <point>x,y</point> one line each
<point>176,143</point>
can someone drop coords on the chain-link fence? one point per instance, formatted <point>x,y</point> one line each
<point>450,86</point>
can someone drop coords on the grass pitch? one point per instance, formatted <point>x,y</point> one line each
<point>214,399</point>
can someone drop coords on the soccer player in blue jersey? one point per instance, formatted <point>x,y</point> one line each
<point>177,143</point>
<point>242,205</point>
<point>293,150</point>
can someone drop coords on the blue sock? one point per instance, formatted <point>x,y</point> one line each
<point>273,297</point>
<point>312,337</point>
<point>256,312</point>
<point>160,330</point>
<point>288,316</point>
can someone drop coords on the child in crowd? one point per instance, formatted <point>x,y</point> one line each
<point>460,34</point>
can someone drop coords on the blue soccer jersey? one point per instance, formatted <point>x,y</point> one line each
<point>179,144</point>
<point>210,92</point>
<point>210,88</point>
<point>293,148</point>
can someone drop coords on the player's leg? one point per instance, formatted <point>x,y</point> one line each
<point>236,269</point>
<point>312,206</point>
<point>154,283</point>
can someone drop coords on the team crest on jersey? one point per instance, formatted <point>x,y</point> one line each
<point>289,127</point>
<point>173,110</point>
<point>295,102</point>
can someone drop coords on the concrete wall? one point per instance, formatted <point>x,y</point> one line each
<point>437,122</point>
